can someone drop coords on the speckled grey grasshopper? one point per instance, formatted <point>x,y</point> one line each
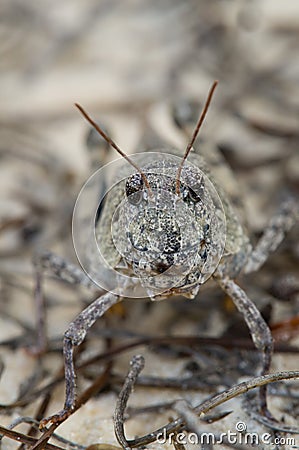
<point>175,225</point>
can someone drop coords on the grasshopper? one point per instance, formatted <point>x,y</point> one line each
<point>169,225</point>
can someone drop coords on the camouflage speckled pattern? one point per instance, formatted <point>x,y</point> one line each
<point>135,259</point>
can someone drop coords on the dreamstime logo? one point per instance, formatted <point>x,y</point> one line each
<point>139,242</point>
<point>239,436</point>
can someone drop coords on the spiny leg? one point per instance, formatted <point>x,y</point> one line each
<point>74,336</point>
<point>62,269</point>
<point>258,328</point>
<point>274,234</point>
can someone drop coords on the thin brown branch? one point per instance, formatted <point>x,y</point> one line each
<point>203,408</point>
<point>27,440</point>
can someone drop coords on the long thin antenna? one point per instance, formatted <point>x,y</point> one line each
<point>113,144</point>
<point>194,136</point>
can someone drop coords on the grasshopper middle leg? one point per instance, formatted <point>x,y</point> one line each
<point>74,336</point>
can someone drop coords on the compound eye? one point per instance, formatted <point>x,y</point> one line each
<point>193,196</point>
<point>134,189</point>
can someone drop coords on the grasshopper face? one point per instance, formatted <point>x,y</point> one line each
<point>166,242</point>
<point>171,240</point>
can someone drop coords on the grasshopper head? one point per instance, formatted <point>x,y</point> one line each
<point>168,239</point>
<point>148,239</point>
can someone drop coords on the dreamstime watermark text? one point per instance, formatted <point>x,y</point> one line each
<point>239,436</point>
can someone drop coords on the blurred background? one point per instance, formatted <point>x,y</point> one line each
<point>128,63</point>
